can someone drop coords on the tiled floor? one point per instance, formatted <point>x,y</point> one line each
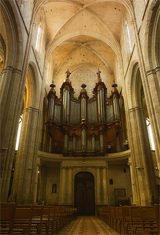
<point>87,225</point>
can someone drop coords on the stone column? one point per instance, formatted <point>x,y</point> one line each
<point>150,84</point>
<point>36,181</point>
<point>105,186</point>
<point>26,162</point>
<point>63,186</point>
<point>142,165</point>
<point>98,187</point>
<point>154,108</point>
<point>133,184</point>
<point>70,187</point>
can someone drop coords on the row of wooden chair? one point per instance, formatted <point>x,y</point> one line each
<point>132,219</point>
<point>33,219</point>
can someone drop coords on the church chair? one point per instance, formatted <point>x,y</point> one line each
<point>116,213</point>
<point>120,220</point>
<point>149,220</point>
<point>112,217</point>
<point>22,219</point>
<point>52,221</point>
<point>99,212</point>
<point>126,219</point>
<point>157,211</point>
<point>62,216</point>
<point>102,213</point>
<point>57,223</point>
<point>135,214</point>
<point>46,219</point>
<point>69,213</point>
<point>36,224</point>
<point>7,217</point>
<point>108,215</point>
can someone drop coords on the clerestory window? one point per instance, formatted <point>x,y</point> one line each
<point>19,132</point>
<point>150,134</point>
<point>39,38</point>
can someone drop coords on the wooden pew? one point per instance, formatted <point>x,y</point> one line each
<point>126,219</point>
<point>135,214</point>
<point>120,220</point>
<point>112,217</point>
<point>132,219</point>
<point>157,211</point>
<point>52,221</point>
<point>7,217</point>
<point>46,219</point>
<point>149,220</point>
<point>36,223</point>
<point>22,219</point>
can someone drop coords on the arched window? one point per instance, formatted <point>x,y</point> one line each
<point>128,37</point>
<point>19,132</point>
<point>1,64</point>
<point>54,188</point>
<point>39,38</point>
<point>150,134</point>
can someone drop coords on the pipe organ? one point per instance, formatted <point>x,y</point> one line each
<point>83,126</point>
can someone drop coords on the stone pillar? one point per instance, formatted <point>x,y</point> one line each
<point>133,184</point>
<point>105,186</point>
<point>142,165</point>
<point>98,187</point>
<point>151,90</point>
<point>12,84</point>
<point>154,108</point>
<point>26,162</point>
<point>70,187</point>
<point>36,182</point>
<point>10,111</point>
<point>63,186</point>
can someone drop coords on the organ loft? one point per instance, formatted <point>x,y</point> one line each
<point>84,126</point>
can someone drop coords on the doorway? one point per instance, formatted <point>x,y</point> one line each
<point>84,194</point>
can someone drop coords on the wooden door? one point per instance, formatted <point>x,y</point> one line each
<point>84,194</point>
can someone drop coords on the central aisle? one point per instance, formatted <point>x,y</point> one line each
<point>87,225</point>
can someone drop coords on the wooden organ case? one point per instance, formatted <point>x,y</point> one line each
<point>84,126</point>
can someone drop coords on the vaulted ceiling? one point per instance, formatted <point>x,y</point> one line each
<point>83,34</point>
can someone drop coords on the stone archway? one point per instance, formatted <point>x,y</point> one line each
<point>84,193</point>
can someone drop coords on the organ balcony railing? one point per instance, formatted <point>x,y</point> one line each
<point>83,126</point>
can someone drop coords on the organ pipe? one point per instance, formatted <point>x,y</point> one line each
<point>83,97</point>
<point>51,96</point>
<point>115,97</point>
<point>84,124</point>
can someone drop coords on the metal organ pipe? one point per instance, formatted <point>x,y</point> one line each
<point>83,140</point>
<point>116,108</point>
<point>115,96</point>
<point>51,109</point>
<point>83,108</point>
<point>66,99</point>
<point>51,97</point>
<point>101,142</point>
<point>101,109</point>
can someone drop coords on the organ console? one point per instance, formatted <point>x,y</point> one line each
<point>83,126</point>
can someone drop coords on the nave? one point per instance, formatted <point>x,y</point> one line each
<point>87,225</point>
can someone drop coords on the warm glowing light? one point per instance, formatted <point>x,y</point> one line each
<point>19,132</point>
